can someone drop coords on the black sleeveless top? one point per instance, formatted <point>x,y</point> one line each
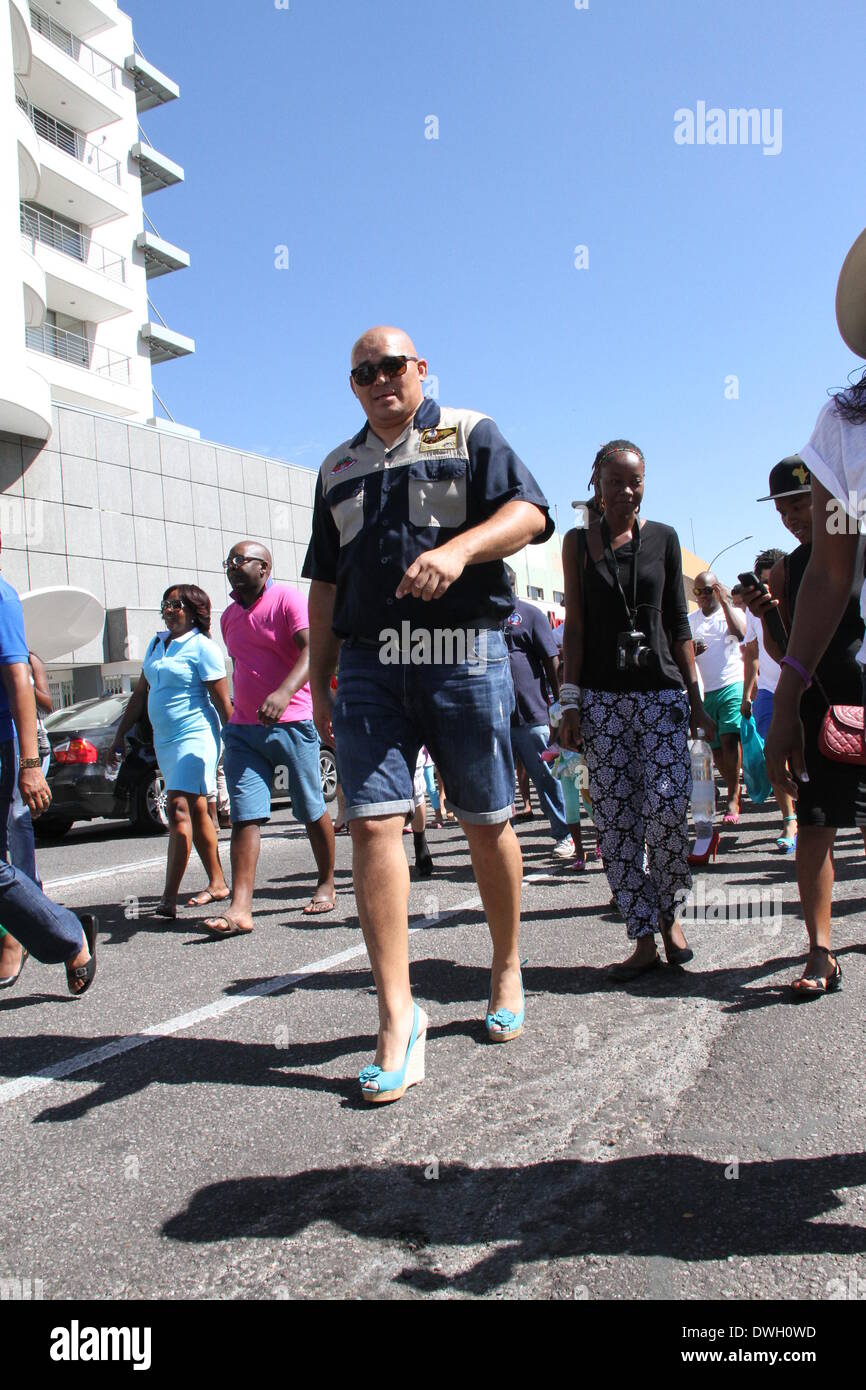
<point>839,660</point>
<point>662,613</point>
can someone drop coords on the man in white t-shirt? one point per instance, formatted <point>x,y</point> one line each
<point>762,671</point>
<point>718,628</point>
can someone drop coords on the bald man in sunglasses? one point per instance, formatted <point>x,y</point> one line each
<point>412,518</point>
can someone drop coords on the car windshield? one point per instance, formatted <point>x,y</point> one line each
<point>87,714</point>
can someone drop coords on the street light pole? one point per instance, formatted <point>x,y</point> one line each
<point>729,547</point>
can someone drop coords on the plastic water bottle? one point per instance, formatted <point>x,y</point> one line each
<point>703,803</point>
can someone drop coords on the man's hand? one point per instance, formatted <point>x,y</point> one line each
<point>746,708</point>
<point>323,707</point>
<point>271,710</point>
<point>34,790</point>
<point>432,573</point>
<point>700,648</point>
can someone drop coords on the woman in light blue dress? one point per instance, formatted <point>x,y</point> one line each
<point>183,683</point>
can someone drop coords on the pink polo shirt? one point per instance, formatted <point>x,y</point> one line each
<point>261,643</point>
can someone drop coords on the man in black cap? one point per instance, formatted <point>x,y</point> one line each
<point>790,478</point>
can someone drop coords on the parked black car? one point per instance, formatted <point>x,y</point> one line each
<point>80,737</point>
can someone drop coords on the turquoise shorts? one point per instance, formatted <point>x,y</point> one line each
<point>723,707</point>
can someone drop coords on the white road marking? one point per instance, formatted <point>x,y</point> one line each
<point>24,1085</point>
<point>101,873</point>
<point>123,869</point>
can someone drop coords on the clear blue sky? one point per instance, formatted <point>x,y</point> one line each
<point>306,127</point>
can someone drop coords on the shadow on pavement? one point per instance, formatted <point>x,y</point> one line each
<point>676,1206</point>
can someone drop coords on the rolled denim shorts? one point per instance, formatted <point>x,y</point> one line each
<point>461,711</point>
<point>258,755</point>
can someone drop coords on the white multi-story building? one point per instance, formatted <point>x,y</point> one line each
<point>95,492</point>
<point>76,247</point>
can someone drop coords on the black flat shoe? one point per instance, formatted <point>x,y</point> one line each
<point>84,973</point>
<point>625,971</point>
<point>678,955</point>
<point>424,866</point>
<point>9,980</point>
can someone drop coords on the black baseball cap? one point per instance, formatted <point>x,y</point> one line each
<point>788,478</point>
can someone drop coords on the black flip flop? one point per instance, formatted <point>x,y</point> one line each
<point>84,973</point>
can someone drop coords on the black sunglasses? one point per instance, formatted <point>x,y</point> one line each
<point>366,372</point>
<point>171,605</point>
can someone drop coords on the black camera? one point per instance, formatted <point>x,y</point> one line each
<point>632,653</point>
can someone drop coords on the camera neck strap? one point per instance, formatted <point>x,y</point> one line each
<point>613,567</point>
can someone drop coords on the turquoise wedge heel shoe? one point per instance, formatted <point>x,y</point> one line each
<point>504,1025</point>
<point>378,1086</point>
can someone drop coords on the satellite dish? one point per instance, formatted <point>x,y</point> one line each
<point>59,620</point>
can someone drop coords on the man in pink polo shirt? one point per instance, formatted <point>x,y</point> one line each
<point>267,635</point>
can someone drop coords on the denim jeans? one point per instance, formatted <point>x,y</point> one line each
<point>19,829</point>
<point>528,742</point>
<point>460,711</point>
<point>51,933</point>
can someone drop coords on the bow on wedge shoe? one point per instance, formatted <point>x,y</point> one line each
<point>505,1025</point>
<point>378,1086</point>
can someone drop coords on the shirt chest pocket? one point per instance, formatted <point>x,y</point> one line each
<point>438,492</point>
<point>347,508</point>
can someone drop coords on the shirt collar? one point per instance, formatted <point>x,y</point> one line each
<point>167,637</point>
<point>425,417</point>
<point>235,597</point>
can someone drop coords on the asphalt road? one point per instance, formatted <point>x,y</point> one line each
<point>192,1127</point>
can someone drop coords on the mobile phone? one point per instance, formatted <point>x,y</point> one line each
<point>751,581</point>
<point>773,617</point>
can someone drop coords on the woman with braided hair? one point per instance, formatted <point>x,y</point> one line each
<point>630,695</point>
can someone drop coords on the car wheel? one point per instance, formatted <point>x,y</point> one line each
<point>150,805</point>
<point>328,769</point>
<point>54,828</point>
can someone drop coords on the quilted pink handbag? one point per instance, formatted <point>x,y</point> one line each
<point>842,737</point>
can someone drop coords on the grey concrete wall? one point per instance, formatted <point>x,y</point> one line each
<point>124,510</point>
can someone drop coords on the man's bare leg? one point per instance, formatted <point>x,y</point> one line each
<point>321,836</point>
<point>246,844</point>
<point>381,878</point>
<point>498,866</point>
<point>729,763</point>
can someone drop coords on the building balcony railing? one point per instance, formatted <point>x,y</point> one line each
<point>100,67</point>
<point>78,245</point>
<point>72,142</point>
<point>79,351</point>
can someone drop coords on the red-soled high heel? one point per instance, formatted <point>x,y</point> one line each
<point>710,851</point>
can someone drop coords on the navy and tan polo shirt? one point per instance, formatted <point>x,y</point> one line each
<point>378,508</point>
